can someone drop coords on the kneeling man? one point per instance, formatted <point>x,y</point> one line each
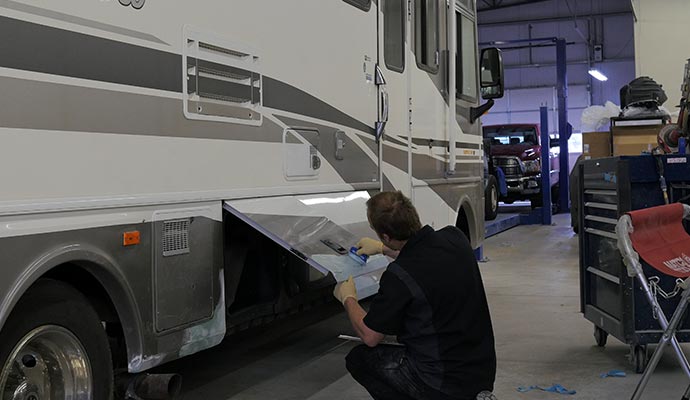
<point>433,299</point>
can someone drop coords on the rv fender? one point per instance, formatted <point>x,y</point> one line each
<point>103,268</point>
<point>466,220</point>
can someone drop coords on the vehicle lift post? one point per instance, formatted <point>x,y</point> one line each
<point>564,128</point>
<point>545,141</point>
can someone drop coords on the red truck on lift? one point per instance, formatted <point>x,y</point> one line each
<point>516,150</point>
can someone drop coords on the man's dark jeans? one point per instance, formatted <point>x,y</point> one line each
<point>387,374</point>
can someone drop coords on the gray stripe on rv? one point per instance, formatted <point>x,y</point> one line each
<point>281,96</point>
<point>443,143</point>
<point>392,139</point>
<point>354,165</point>
<point>39,48</point>
<point>80,109</point>
<point>430,170</point>
<point>13,5</point>
<point>425,167</point>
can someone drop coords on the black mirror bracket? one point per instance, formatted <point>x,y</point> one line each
<point>379,130</point>
<point>476,112</point>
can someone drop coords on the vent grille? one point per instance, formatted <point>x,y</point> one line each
<point>223,50</point>
<point>175,237</point>
<point>222,80</point>
<point>509,165</point>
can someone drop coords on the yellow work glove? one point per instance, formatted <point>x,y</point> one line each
<point>345,289</point>
<point>369,246</point>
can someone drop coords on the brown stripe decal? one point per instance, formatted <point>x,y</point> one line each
<point>354,166</point>
<point>27,104</point>
<point>281,96</point>
<point>39,48</point>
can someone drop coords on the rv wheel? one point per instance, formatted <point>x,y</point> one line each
<point>491,199</point>
<point>53,345</point>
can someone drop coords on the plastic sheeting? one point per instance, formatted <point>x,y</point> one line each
<point>596,117</point>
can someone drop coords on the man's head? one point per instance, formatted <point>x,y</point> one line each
<point>393,217</point>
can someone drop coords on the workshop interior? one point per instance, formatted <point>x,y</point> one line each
<point>344,199</point>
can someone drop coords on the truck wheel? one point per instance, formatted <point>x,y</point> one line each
<point>491,199</point>
<point>556,199</point>
<point>54,346</point>
<point>536,201</point>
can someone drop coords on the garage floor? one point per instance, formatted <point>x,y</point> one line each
<point>531,280</point>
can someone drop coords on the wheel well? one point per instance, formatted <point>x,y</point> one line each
<point>463,223</point>
<point>83,281</point>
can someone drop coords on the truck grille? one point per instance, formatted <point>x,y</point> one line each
<point>509,165</point>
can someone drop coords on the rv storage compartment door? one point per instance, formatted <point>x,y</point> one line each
<point>318,229</point>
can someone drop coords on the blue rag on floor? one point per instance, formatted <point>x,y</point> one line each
<point>553,389</point>
<point>614,373</point>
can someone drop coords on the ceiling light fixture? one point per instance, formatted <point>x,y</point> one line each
<point>598,75</point>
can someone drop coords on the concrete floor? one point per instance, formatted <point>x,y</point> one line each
<point>531,279</point>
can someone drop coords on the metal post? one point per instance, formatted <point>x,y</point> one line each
<point>563,134</point>
<point>545,166</point>
<point>451,118</point>
<point>668,336</point>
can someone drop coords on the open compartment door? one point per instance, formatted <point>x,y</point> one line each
<point>319,229</point>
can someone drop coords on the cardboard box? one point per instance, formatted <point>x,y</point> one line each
<point>634,140</point>
<point>596,144</point>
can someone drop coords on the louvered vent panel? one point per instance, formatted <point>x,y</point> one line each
<point>222,80</point>
<point>175,237</point>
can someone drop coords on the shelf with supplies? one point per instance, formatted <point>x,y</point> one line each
<point>625,137</point>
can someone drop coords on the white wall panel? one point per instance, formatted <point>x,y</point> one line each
<point>661,42</point>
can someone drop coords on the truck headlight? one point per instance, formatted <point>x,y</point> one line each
<point>532,166</point>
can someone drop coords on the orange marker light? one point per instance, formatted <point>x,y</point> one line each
<point>130,238</point>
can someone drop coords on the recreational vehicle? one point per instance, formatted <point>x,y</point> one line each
<point>174,171</point>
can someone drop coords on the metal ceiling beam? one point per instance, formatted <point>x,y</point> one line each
<point>555,19</point>
<point>497,5</point>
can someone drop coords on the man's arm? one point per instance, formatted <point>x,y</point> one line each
<point>356,314</point>
<point>346,293</point>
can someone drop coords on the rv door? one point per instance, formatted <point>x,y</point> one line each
<point>394,66</point>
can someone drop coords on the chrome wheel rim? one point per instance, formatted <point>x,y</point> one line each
<point>494,199</point>
<point>48,363</point>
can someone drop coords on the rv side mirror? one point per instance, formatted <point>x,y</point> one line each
<point>491,73</point>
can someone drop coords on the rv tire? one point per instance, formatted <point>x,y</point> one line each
<point>53,327</point>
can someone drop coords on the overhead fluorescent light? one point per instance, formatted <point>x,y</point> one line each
<point>598,75</point>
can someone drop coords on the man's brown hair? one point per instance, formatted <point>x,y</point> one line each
<point>393,214</point>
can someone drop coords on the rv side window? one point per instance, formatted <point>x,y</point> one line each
<point>466,65</point>
<point>426,34</point>
<point>394,34</point>
<point>363,4</point>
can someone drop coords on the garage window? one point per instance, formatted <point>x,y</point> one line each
<point>363,4</point>
<point>394,34</point>
<point>426,34</point>
<point>466,65</point>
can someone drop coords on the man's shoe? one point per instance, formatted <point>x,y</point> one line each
<point>486,396</point>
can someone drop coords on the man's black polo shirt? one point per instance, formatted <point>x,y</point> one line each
<point>432,297</point>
